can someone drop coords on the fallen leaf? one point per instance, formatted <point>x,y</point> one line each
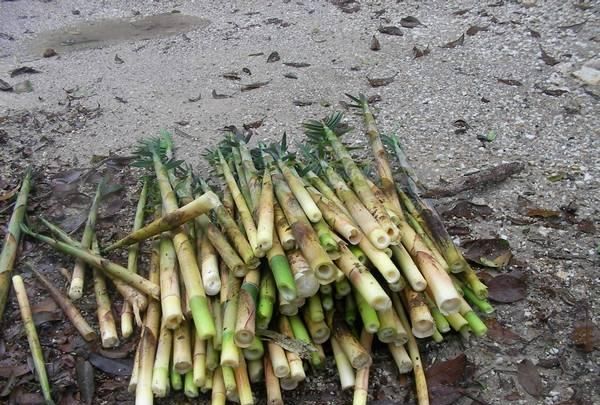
<point>7,195</point>
<point>420,52</point>
<point>374,99</point>
<point>217,96</point>
<point>273,57</point>
<point>575,27</point>
<point>467,209</point>
<point>554,92</point>
<point>461,126</point>
<point>384,81</point>
<point>375,45</point>
<point>500,333</point>
<point>302,103</point>
<point>253,86</point>
<point>586,335</point>
<point>290,75</point>
<point>256,54</point>
<point>587,226</point>
<point>194,99</point>
<point>458,230</point>
<point>254,124</point>
<point>443,378</point>
<point>85,380</point>
<point>247,71</point>
<point>510,82</point>
<point>462,12</point>
<point>297,64</point>
<point>410,22</point>
<point>347,6</point>
<point>506,289</point>
<point>534,33</point>
<point>493,252</point>
<point>548,60</point>
<point>474,29</point>
<point>10,368</point>
<point>23,70</point>
<point>390,30</point>
<point>449,372</point>
<point>118,60</point>
<point>542,213</point>
<point>4,86</point>
<point>457,42</point>
<point>529,378</point>
<point>232,76</point>
<point>489,136</point>
<point>111,366</point>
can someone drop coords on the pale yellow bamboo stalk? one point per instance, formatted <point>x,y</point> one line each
<point>361,387</point>
<point>286,237</point>
<point>272,383</point>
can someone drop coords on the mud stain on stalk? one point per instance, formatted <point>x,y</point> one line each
<point>106,32</point>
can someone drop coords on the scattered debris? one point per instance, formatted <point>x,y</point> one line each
<point>290,75</point>
<point>467,209</point>
<point>4,86</point>
<point>194,99</point>
<point>474,29</point>
<point>217,96</point>
<point>509,82</point>
<point>118,59</point>
<point>548,60</point>
<point>23,87</point>
<point>302,103</point>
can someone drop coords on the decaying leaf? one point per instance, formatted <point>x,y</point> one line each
<point>554,92</point>
<point>474,29</point>
<point>410,22</point>
<point>375,45</point>
<point>85,380</point>
<point>575,27</point>
<point>297,64</point>
<point>586,335</point>
<point>384,81</point>
<point>253,86</point>
<point>23,70</point>
<point>299,347</point>
<point>506,289</point>
<point>461,126</point>
<point>462,12</point>
<point>7,195</point>
<point>290,75</point>
<point>420,52</point>
<point>232,76</point>
<point>4,86</point>
<point>443,379</point>
<point>534,33</point>
<point>254,124</point>
<point>457,42</point>
<point>390,30</point>
<point>111,366</point>
<point>548,60</point>
<point>529,378</point>
<point>500,333</point>
<point>493,252</point>
<point>194,99</point>
<point>467,209</point>
<point>510,82</point>
<point>273,57</point>
<point>528,208</point>
<point>217,96</point>
<point>302,103</point>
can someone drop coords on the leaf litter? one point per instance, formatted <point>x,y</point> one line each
<point>529,378</point>
<point>411,22</point>
<point>506,289</point>
<point>493,252</point>
<point>390,30</point>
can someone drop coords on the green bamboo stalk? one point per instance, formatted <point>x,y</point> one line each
<point>12,239</point>
<point>367,313</point>
<point>32,338</point>
<point>98,262</point>
<point>267,297</point>
<point>78,274</point>
<point>132,260</point>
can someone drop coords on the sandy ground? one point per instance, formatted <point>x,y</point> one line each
<point>102,99</point>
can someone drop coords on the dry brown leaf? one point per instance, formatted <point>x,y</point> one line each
<point>494,252</point>
<point>500,333</point>
<point>457,42</point>
<point>390,30</point>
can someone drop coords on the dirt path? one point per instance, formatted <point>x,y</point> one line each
<point>495,82</point>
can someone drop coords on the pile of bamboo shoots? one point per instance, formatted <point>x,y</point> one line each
<point>291,259</point>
